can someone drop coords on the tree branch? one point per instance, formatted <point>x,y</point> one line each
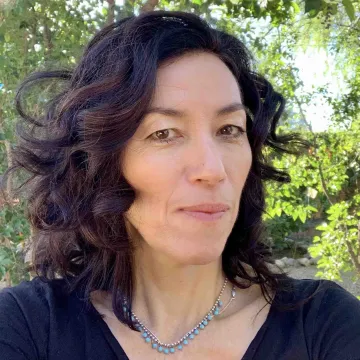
<point>9,177</point>
<point>149,6</point>
<point>354,259</point>
<point>47,37</point>
<point>322,179</point>
<point>111,12</point>
<point>358,240</point>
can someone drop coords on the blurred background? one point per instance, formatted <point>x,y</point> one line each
<point>308,49</point>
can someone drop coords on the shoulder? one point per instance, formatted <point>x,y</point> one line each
<point>40,319</point>
<point>323,292</point>
<point>26,295</point>
<point>31,302</point>
<point>337,324</point>
<point>320,296</point>
<point>25,313</point>
<point>34,294</point>
<point>298,289</point>
<point>329,315</point>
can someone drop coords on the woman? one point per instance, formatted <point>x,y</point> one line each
<point>146,203</point>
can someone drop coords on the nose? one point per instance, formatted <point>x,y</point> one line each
<point>205,163</point>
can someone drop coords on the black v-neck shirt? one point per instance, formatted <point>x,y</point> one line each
<point>38,321</point>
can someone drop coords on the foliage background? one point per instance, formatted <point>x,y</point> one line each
<point>321,206</point>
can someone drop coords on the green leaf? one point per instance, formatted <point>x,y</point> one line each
<point>6,262</point>
<point>295,7</point>
<point>8,216</point>
<point>333,9</point>
<point>2,272</point>
<point>278,211</point>
<point>302,217</point>
<point>349,7</point>
<point>295,215</point>
<point>313,7</point>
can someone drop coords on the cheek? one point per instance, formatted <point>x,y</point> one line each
<point>154,179</point>
<point>238,164</point>
<point>246,163</point>
<point>150,174</point>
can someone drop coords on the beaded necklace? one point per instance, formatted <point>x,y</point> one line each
<point>165,348</point>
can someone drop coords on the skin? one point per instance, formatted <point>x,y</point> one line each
<point>199,165</point>
<point>206,158</point>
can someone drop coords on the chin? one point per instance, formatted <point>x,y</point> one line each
<point>196,258</point>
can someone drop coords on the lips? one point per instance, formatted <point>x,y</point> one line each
<point>207,208</point>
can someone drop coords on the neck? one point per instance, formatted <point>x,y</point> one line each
<point>170,299</point>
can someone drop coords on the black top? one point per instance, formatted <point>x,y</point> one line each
<point>38,321</point>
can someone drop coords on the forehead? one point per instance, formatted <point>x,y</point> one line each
<point>195,79</point>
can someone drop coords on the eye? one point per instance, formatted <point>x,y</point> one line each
<point>232,131</point>
<point>162,136</point>
<point>228,131</point>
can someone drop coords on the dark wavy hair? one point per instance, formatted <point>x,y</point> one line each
<point>78,192</point>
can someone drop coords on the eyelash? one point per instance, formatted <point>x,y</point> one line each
<point>241,131</point>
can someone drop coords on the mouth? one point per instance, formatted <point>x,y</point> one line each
<point>204,216</point>
<point>206,212</point>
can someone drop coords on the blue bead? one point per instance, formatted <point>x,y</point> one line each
<point>205,322</point>
<point>220,303</point>
<point>166,351</point>
<point>191,336</point>
<point>160,349</point>
<point>147,339</point>
<point>202,326</point>
<point>209,317</point>
<point>216,312</point>
<point>196,332</point>
<point>180,347</point>
<point>144,334</point>
<point>154,346</point>
<point>185,342</point>
<point>172,350</point>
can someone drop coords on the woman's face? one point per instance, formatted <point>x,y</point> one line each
<point>189,150</point>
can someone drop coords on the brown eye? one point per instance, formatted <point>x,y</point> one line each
<point>232,131</point>
<point>162,134</point>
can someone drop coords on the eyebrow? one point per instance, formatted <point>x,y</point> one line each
<point>226,110</point>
